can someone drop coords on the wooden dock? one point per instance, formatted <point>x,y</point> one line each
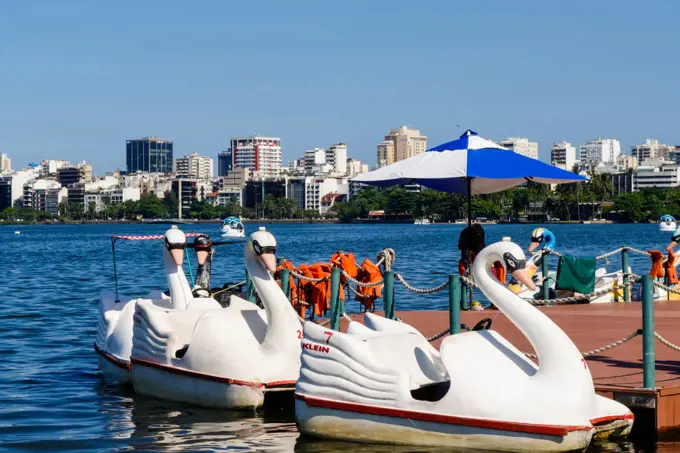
<point>617,372</point>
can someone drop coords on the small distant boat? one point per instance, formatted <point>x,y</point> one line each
<point>232,228</point>
<point>17,232</point>
<point>667,223</point>
<point>421,222</point>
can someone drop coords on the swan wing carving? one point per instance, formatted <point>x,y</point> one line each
<point>153,335</point>
<point>341,367</point>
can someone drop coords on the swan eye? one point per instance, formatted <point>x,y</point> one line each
<point>513,263</point>
<point>171,246</point>
<point>259,250</point>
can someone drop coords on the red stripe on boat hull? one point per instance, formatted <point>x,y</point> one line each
<point>210,377</point>
<point>114,360</point>
<point>551,430</point>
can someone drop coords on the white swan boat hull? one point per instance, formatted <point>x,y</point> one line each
<point>229,233</point>
<point>384,382</point>
<point>220,357</point>
<point>113,342</point>
<point>361,423</point>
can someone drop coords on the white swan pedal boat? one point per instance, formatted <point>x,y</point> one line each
<point>232,228</point>
<point>383,382</point>
<point>228,357</point>
<point>113,343</point>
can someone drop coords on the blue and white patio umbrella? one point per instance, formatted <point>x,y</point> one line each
<point>469,165</point>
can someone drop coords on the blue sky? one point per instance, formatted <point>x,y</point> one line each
<point>77,78</point>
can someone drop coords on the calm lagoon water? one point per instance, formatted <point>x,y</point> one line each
<point>52,398</point>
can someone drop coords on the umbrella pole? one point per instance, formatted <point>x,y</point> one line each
<point>469,191</point>
<point>469,216</point>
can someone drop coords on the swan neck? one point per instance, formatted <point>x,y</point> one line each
<point>180,291</point>
<point>282,321</point>
<point>558,356</point>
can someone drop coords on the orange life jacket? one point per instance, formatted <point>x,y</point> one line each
<point>346,262</point>
<point>300,308</point>
<point>497,268</point>
<point>657,270</point>
<point>318,293</point>
<point>671,272</point>
<point>368,273</point>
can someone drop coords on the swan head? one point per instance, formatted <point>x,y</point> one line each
<point>203,247</point>
<point>263,245</point>
<point>175,243</point>
<point>510,255</point>
<point>536,238</point>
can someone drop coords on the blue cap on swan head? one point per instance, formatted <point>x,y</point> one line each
<point>667,218</point>
<point>544,236</point>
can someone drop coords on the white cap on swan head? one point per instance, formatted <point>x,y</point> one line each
<point>263,244</point>
<point>175,236</point>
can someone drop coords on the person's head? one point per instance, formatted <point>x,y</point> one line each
<point>472,239</point>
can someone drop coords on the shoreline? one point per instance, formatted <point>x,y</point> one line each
<point>307,221</point>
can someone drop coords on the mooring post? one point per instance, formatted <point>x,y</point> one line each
<point>624,268</point>
<point>454,304</point>
<point>250,289</point>
<point>388,279</point>
<point>336,309</point>
<point>285,282</point>
<point>648,358</point>
<point>545,271</point>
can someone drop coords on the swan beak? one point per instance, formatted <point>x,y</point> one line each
<point>177,256</point>
<point>533,246</point>
<point>202,257</point>
<point>269,261</point>
<point>523,277</point>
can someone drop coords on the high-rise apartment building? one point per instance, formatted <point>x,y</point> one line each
<point>259,154</point>
<point>400,144</point>
<point>651,149</point>
<point>336,155</point>
<point>72,174</point>
<point>386,153</point>
<point>521,146</point>
<point>224,162</point>
<point>563,155</point>
<point>600,150</point>
<point>194,166</point>
<point>149,154</point>
<point>5,164</point>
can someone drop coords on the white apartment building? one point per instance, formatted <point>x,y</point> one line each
<point>13,184</point>
<point>308,191</point>
<point>563,155</point>
<point>194,166</point>
<point>355,167</point>
<point>44,195</point>
<point>336,156</point>
<point>5,164</point>
<point>259,154</point>
<point>600,150</point>
<point>656,173</point>
<point>400,144</point>
<point>521,146</point>
<point>49,167</point>
<point>651,149</point>
<point>315,157</point>
<point>627,162</point>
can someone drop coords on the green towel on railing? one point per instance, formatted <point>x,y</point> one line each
<point>576,274</point>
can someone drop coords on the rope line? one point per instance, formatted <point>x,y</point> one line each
<point>603,348</point>
<point>422,290</point>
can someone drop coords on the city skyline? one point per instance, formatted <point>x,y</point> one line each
<point>567,86</point>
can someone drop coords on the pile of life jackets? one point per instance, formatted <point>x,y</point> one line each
<point>663,269</point>
<point>317,295</point>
